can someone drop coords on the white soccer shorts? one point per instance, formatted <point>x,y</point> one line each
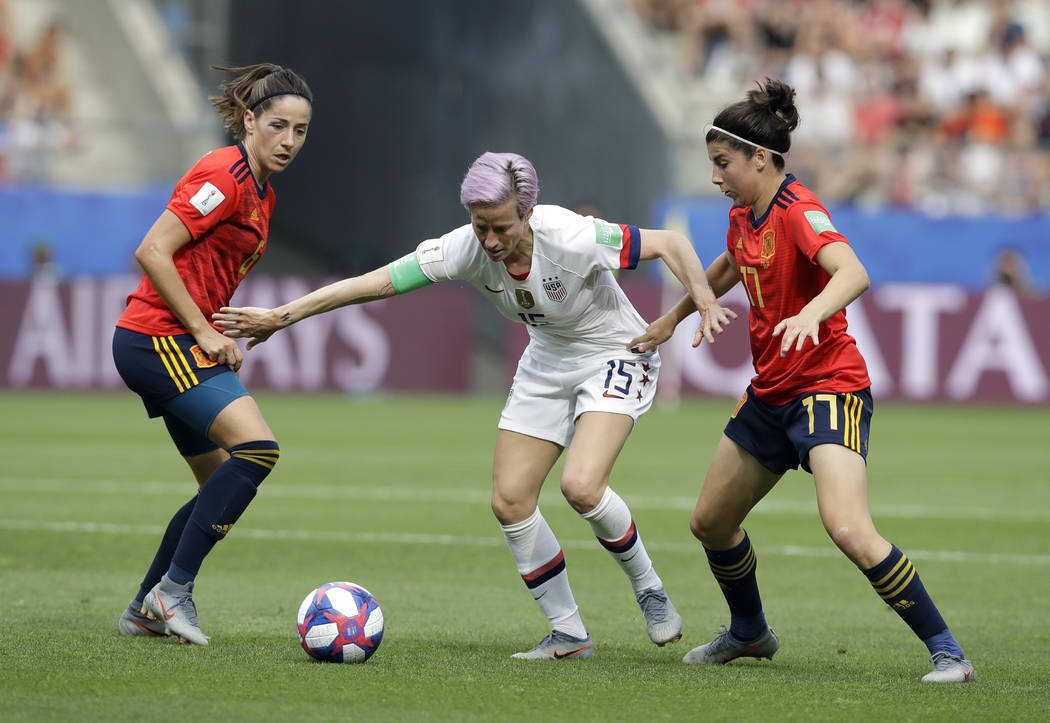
<point>545,401</point>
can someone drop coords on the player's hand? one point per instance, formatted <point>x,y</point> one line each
<point>251,322</point>
<point>713,320</point>
<point>655,334</point>
<point>795,330</point>
<point>219,348</point>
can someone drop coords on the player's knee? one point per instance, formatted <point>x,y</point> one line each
<point>508,509</point>
<point>501,508</point>
<point>699,527</point>
<point>257,459</point>
<point>581,492</point>
<point>847,539</point>
<point>708,528</point>
<point>511,513</point>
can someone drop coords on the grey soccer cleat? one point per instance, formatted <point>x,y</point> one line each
<point>559,646</point>
<point>726,647</point>
<point>948,668</point>
<point>662,620</point>
<point>133,622</point>
<point>172,604</point>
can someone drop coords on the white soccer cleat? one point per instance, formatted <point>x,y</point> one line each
<point>172,605</point>
<point>662,619</point>
<point>948,668</point>
<point>132,622</point>
<point>726,647</point>
<point>559,646</point>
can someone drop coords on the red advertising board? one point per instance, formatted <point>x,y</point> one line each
<point>921,341</point>
<point>58,335</point>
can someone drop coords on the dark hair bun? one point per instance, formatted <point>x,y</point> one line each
<point>779,99</point>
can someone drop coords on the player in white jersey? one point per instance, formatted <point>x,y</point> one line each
<point>577,388</point>
<point>569,299</point>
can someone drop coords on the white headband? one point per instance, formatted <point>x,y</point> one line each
<point>713,127</point>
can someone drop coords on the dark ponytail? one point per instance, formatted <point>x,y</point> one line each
<point>254,89</point>
<point>766,118</point>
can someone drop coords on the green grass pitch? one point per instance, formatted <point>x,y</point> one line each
<point>392,493</point>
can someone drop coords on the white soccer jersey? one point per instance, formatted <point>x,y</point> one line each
<point>569,300</point>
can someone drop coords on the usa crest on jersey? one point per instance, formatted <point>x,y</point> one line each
<point>554,288</point>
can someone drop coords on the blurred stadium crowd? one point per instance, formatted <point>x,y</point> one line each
<point>942,106</point>
<point>36,115</point>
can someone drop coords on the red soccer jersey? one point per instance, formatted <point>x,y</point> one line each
<point>775,258</point>
<point>228,217</point>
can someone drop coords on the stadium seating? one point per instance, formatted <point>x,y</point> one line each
<point>939,106</point>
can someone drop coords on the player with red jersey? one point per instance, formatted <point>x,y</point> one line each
<point>227,216</point>
<point>809,402</point>
<point>780,278</point>
<point>166,349</point>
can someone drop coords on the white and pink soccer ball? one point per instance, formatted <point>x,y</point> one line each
<point>340,622</point>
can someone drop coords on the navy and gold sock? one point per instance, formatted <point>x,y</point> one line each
<point>734,569</point>
<point>222,500</point>
<point>897,582</point>
<point>168,543</point>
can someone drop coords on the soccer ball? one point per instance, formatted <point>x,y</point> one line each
<point>340,622</point>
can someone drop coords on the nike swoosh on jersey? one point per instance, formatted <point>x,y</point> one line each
<point>611,396</point>
<point>494,291</point>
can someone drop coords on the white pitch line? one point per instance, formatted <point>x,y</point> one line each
<point>43,485</point>
<point>393,538</point>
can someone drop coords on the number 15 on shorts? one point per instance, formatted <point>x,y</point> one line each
<point>626,377</point>
<point>618,380</point>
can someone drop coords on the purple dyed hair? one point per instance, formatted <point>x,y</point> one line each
<point>495,177</point>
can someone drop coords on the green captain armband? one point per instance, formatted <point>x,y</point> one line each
<point>406,275</point>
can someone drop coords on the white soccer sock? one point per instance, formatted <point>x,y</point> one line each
<point>541,565</point>
<point>612,524</point>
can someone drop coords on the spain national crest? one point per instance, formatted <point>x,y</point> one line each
<point>769,247</point>
<point>524,298</point>
<point>203,362</point>
<point>554,288</point>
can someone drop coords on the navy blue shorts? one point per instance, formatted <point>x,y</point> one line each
<point>177,381</point>
<point>780,437</point>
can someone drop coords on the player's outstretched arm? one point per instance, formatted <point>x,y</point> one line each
<point>721,276</point>
<point>663,328</point>
<point>677,252</point>
<point>259,324</point>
